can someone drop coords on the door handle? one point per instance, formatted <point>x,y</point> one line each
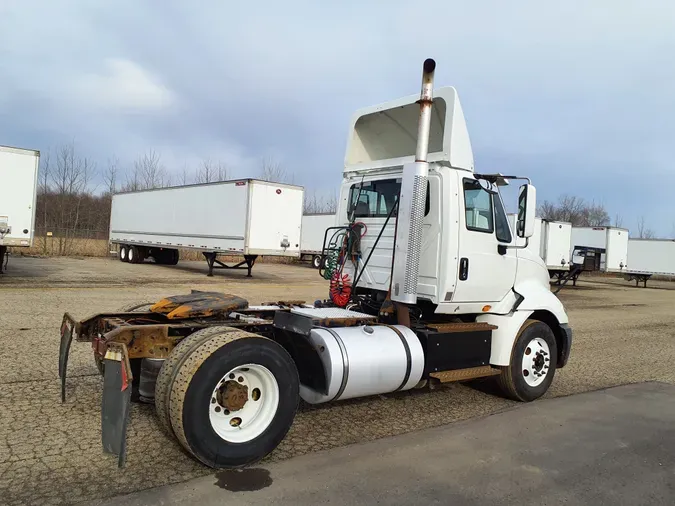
<point>463,269</point>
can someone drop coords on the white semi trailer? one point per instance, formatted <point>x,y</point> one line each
<point>241,217</point>
<point>603,249</point>
<point>426,286</point>
<point>18,193</point>
<point>650,257</point>
<point>314,227</point>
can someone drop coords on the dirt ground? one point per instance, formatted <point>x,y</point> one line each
<point>50,453</point>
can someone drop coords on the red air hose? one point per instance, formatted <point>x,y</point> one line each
<point>340,289</point>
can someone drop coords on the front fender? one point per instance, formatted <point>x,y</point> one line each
<point>539,298</point>
<point>504,335</point>
<point>535,302</point>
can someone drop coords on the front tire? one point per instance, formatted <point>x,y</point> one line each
<point>533,363</point>
<point>234,399</point>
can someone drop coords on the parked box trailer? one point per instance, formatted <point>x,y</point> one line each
<point>241,217</point>
<point>602,249</point>
<point>551,241</point>
<point>18,192</point>
<point>314,226</point>
<point>556,237</point>
<point>648,257</point>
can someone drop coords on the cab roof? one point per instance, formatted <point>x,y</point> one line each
<point>385,135</point>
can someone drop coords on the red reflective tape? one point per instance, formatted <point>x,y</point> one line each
<point>125,380</point>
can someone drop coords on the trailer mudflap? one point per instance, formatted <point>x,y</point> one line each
<point>67,328</point>
<point>116,401</point>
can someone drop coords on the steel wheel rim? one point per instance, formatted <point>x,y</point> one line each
<point>236,424</point>
<point>123,253</point>
<point>130,254</point>
<point>536,362</point>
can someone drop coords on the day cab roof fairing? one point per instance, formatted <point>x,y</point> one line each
<point>385,135</point>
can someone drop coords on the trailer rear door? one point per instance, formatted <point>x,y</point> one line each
<point>616,254</point>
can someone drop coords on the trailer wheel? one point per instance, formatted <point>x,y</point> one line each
<point>172,257</point>
<point>170,368</point>
<point>134,255</point>
<point>123,254</point>
<point>234,399</point>
<point>158,256</point>
<point>533,363</point>
<point>316,261</point>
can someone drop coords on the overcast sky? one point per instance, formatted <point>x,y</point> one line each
<point>578,95</point>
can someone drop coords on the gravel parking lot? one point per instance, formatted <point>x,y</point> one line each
<point>50,453</point>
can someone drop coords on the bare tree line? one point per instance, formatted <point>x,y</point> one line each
<point>576,211</point>
<point>580,213</point>
<point>74,195</point>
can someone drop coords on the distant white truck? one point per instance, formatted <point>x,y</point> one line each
<point>314,226</point>
<point>648,257</point>
<point>18,194</point>
<point>551,240</point>
<point>244,217</point>
<point>603,249</point>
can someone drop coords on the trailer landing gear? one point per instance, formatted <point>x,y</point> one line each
<point>638,278</point>
<point>214,263</point>
<point>564,276</point>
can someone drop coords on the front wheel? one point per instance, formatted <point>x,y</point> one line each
<point>533,363</point>
<point>233,399</point>
<point>316,261</point>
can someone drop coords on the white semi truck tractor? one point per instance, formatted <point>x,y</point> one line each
<point>427,285</point>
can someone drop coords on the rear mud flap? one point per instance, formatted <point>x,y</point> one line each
<point>67,327</point>
<point>116,401</point>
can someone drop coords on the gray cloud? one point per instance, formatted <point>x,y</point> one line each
<point>577,95</point>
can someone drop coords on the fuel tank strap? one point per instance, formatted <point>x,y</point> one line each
<point>408,356</point>
<point>345,361</point>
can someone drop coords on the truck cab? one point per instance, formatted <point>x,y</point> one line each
<point>470,266</point>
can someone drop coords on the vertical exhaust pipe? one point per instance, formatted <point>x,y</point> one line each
<point>425,101</point>
<point>408,241</point>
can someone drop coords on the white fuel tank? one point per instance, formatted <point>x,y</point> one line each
<point>366,360</point>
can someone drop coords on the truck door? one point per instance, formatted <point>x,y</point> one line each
<point>486,270</point>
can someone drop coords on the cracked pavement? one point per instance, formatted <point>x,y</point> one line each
<point>50,453</point>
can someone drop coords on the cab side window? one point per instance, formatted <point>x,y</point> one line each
<point>478,207</point>
<point>375,199</point>
<point>501,221</point>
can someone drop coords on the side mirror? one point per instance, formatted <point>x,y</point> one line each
<point>527,206</point>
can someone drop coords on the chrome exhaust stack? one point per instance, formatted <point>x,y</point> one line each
<point>412,198</point>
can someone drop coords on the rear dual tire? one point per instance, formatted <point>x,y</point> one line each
<point>132,254</point>
<point>228,396</point>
